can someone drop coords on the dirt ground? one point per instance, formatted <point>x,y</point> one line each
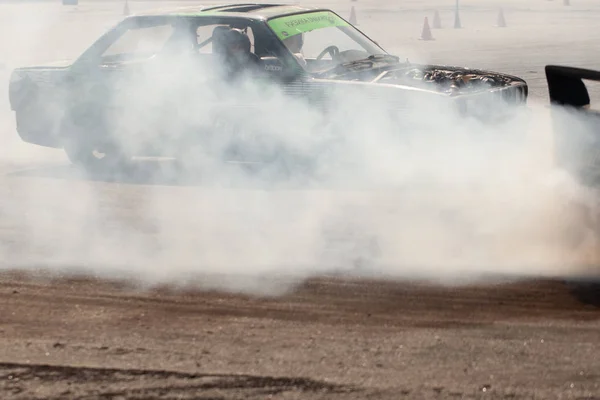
<point>330,339</point>
<point>63,337</point>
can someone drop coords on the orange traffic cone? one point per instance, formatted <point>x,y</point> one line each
<point>426,33</point>
<point>501,20</point>
<point>126,8</point>
<point>437,23</point>
<point>353,16</point>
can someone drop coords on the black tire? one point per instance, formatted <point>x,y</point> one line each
<point>93,159</point>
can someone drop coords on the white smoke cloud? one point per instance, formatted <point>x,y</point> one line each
<point>423,193</point>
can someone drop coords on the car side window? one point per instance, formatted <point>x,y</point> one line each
<point>138,42</point>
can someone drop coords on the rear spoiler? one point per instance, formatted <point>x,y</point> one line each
<point>566,86</point>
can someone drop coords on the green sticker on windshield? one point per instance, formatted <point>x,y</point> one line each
<point>291,25</point>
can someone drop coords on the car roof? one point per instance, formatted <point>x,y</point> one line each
<point>242,10</point>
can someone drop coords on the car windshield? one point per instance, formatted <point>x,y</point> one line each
<point>321,40</point>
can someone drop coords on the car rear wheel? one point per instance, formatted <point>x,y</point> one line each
<point>94,159</point>
<point>87,144</point>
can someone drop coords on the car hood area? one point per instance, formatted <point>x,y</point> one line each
<point>442,79</point>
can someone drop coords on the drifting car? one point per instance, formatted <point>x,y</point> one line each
<point>74,106</point>
<point>576,134</point>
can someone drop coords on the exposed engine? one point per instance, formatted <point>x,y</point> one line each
<point>451,81</point>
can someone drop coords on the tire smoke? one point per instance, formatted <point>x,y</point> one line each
<point>349,189</point>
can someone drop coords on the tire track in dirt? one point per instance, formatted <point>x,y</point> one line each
<point>21,380</point>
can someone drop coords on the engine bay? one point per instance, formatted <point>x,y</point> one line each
<point>452,80</point>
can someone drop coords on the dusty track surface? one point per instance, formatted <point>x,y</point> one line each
<point>67,338</point>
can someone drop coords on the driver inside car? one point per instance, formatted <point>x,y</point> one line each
<point>236,51</point>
